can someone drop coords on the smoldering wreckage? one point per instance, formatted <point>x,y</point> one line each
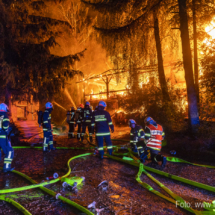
<point>99,181</point>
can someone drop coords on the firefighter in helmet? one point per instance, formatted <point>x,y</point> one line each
<point>154,135</point>
<point>102,122</point>
<point>136,136</point>
<point>78,122</point>
<point>47,130</point>
<point>5,144</point>
<point>86,118</point>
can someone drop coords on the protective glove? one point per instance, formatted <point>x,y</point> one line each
<point>112,131</point>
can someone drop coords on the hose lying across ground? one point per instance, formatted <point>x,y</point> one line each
<point>177,200</point>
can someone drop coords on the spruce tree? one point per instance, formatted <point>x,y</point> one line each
<point>27,66</point>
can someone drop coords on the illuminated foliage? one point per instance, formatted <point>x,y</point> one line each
<point>27,65</point>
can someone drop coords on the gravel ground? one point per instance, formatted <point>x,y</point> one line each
<point>123,196</point>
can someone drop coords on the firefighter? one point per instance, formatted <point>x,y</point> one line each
<point>153,138</point>
<point>102,121</point>
<point>5,144</point>
<point>96,108</point>
<point>71,123</point>
<point>78,122</point>
<point>68,117</point>
<point>136,136</point>
<point>47,130</point>
<point>86,118</point>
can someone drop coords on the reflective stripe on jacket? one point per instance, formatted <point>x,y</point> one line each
<point>102,121</point>
<point>136,133</point>
<point>154,135</point>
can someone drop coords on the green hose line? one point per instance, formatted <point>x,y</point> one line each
<point>177,199</point>
<point>50,191</point>
<point>16,204</point>
<point>177,178</point>
<point>68,201</point>
<point>178,160</point>
<point>131,155</point>
<point>29,186</point>
<point>41,184</point>
<point>78,156</point>
<point>209,206</point>
<point>40,147</point>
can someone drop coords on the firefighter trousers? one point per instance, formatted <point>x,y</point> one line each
<point>84,126</point>
<point>48,140</point>
<point>100,141</point>
<point>79,131</point>
<point>152,154</point>
<point>71,129</point>
<point>5,145</point>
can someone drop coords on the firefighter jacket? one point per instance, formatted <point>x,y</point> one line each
<point>68,116</point>
<point>102,121</point>
<point>79,113</point>
<point>154,135</point>
<point>136,133</point>
<point>4,124</point>
<point>86,115</point>
<point>47,120</point>
<point>72,119</point>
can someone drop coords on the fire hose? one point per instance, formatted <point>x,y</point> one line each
<point>137,163</point>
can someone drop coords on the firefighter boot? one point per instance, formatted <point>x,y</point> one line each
<point>163,162</point>
<point>8,169</point>
<point>143,156</point>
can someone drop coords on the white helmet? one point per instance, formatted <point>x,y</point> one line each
<point>49,105</point>
<point>3,107</point>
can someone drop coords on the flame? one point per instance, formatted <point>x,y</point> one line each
<point>70,98</point>
<point>140,110</point>
<point>59,106</point>
<point>210,29</point>
<point>141,84</point>
<point>120,93</point>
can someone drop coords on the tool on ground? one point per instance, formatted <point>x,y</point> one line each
<point>55,175</point>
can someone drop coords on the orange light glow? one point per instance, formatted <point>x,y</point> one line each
<point>210,29</point>
<point>70,98</point>
<point>59,105</point>
<point>140,110</point>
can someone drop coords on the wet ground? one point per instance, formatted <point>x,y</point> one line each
<point>123,196</point>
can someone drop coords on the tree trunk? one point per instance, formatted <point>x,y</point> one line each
<point>187,60</point>
<point>161,73</point>
<point>8,97</point>
<point>196,69</point>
